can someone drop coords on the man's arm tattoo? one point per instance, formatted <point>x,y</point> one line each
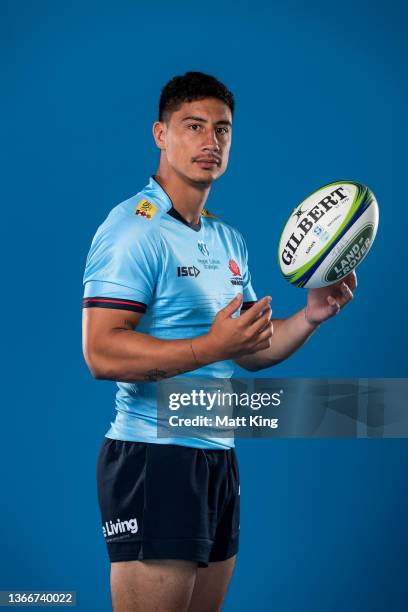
<point>153,375</point>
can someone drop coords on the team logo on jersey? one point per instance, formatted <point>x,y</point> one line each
<point>236,273</point>
<point>234,267</point>
<point>146,209</point>
<point>203,248</point>
<point>188,271</point>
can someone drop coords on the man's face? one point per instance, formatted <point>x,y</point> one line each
<point>197,140</point>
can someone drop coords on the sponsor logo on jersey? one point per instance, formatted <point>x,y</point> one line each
<point>146,209</point>
<point>188,271</point>
<point>114,528</point>
<point>236,272</point>
<point>203,248</point>
<point>209,263</point>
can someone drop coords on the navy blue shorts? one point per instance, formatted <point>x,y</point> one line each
<point>164,501</point>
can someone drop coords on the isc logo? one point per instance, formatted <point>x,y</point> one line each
<point>187,271</point>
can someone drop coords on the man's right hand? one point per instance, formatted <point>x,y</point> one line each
<point>231,337</point>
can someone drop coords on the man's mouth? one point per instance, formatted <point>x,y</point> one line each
<point>207,162</point>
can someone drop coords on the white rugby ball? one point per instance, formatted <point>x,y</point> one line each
<point>328,234</point>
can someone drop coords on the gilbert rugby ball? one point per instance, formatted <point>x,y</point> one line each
<point>328,234</point>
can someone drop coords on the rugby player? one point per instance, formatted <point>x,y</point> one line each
<point>168,292</point>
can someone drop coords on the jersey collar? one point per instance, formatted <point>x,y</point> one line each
<point>154,191</point>
<point>176,215</point>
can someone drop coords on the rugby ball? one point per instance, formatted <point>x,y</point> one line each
<point>328,234</point>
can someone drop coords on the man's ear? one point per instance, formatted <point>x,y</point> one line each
<point>159,134</point>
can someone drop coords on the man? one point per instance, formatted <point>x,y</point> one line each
<point>168,292</point>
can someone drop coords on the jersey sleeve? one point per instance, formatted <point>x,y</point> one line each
<point>122,267</point>
<point>249,295</point>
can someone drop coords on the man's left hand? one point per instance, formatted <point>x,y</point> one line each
<point>325,302</point>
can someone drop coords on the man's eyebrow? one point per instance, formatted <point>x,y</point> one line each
<point>194,118</point>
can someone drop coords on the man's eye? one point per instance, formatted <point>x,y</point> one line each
<point>222,130</point>
<point>194,126</point>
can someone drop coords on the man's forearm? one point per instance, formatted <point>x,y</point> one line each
<point>130,356</point>
<point>288,336</point>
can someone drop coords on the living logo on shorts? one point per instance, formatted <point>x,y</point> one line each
<point>112,528</point>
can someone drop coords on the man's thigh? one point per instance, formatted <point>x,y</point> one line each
<point>149,586</point>
<point>211,585</point>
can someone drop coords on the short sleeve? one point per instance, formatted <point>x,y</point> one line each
<point>122,266</point>
<point>249,295</point>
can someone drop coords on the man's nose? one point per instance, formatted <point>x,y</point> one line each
<point>211,142</point>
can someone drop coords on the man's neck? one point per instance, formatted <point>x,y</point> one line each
<point>188,199</point>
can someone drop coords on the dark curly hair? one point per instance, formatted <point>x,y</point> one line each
<point>189,87</point>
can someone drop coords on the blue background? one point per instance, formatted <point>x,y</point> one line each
<point>321,95</point>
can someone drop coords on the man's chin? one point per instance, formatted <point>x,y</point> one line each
<point>204,177</point>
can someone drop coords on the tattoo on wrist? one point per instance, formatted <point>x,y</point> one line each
<point>194,355</point>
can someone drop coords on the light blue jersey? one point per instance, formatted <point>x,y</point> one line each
<point>146,258</point>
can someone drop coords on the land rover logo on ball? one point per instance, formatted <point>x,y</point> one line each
<point>352,255</point>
